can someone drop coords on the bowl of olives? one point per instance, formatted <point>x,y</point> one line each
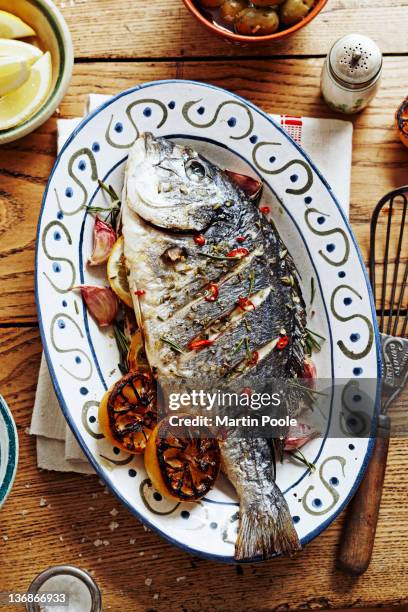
<point>254,21</point>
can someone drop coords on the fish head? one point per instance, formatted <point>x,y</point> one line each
<point>171,186</point>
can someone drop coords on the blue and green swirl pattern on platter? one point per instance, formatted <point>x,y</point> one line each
<point>83,359</point>
<point>8,450</point>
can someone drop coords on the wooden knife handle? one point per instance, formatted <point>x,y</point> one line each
<point>357,541</point>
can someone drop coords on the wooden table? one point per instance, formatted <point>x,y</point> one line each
<point>119,44</point>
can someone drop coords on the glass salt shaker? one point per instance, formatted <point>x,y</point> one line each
<point>351,73</point>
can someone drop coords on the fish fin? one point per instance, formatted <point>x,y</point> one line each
<point>267,533</point>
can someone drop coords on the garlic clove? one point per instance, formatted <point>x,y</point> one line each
<point>104,237</point>
<point>101,303</point>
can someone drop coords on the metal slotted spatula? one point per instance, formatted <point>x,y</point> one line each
<point>388,275</point>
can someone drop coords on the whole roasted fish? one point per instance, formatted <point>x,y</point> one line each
<point>215,294</point>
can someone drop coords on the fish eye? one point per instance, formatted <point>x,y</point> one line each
<point>195,170</point>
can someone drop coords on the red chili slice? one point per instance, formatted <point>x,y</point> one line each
<point>140,292</point>
<point>245,304</point>
<point>265,210</point>
<point>282,343</point>
<point>199,239</point>
<point>212,294</point>
<point>197,345</point>
<point>253,359</point>
<point>241,252</point>
<point>241,238</point>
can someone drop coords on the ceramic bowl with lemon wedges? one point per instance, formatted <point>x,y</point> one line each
<point>36,60</point>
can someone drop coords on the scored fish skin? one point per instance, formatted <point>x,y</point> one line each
<point>170,195</point>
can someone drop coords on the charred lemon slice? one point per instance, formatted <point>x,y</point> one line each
<point>401,121</point>
<point>128,412</point>
<point>117,275</point>
<point>180,465</point>
<point>136,355</point>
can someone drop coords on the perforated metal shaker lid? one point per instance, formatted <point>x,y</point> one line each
<point>355,61</point>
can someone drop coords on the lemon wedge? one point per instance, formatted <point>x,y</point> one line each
<point>12,26</point>
<point>14,71</point>
<point>9,47</point>
<point>19,105</point>
<point>116,271</point>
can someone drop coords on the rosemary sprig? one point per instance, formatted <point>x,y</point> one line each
<point>123,347</point>
<point>112,211</point>
<point>297,454</point>
<point>312,344</point>
<point>174,345</point>
<point>222,257</point>
<point>315,333</point>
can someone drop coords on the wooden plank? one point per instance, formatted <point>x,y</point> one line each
<point>102,28</point>
<point>77,513</point>
<point>380,162</point>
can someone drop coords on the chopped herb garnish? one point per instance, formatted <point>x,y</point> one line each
<point>237,346</point>
<point>297,454</point>
<point>172,344</point>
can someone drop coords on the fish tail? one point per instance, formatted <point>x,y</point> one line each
<point>266,532</point>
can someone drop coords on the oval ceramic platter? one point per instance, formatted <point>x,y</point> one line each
<point>83,360</point>
<point>8,451</point>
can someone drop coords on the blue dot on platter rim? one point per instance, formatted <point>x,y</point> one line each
<point>201,110</point>
<point>357,398</point>
<point>57,235</point>
<point>92,419</point>
<point>69,192</point>
<point>82,165</point>
<point>185,514</point>
<point>272,159</point>
<point>232,122</point>
<point>357,371</point>
<point>253,139</point>
<point>308,200</point>
<point>56,267</point>
<point>132,473</point>
<point>321,220</point>
<point>347,301</point>
<point>334,481</point>
<point>157,496</point>
<point>61,324</point>
<point>354,337</point>
<point>171,104</point>
<point>83,391</point>
<point>341,274</point>
<point>293,178</point>
<point>96,147</point>
<point>213,525</point>
<point>317,502</point>
<point>118,127</point>
<point>60,215</point>
<point>330,247</point>
<point>147,111</point>
<point>116,450</point>
<point>351,446</point>
<point>296,519</point>
<point>64,303</point>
